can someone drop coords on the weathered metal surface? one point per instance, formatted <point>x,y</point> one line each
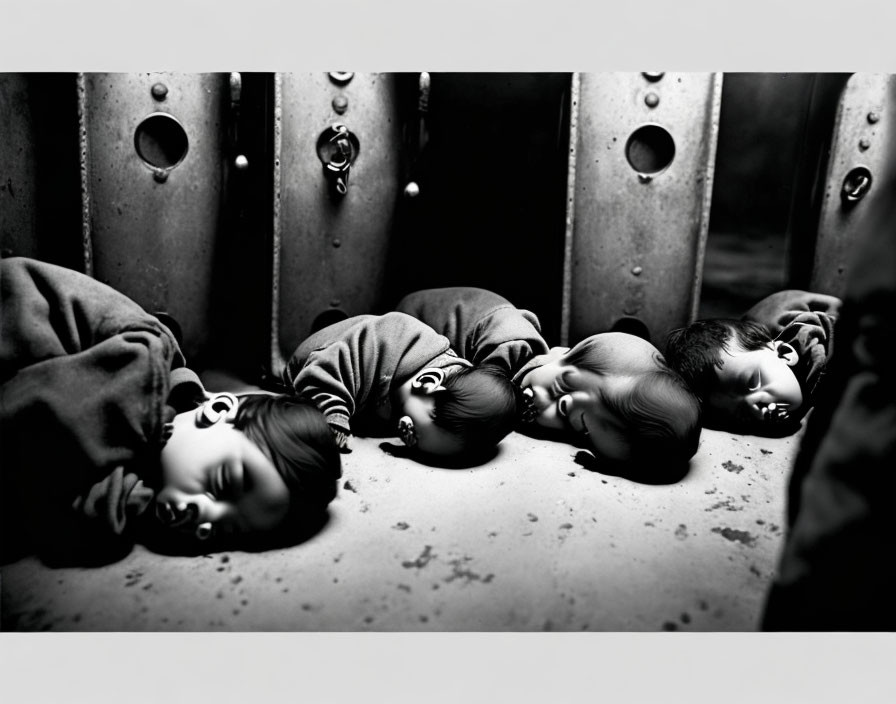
<point>150,209</point>
<point>643,152</point>
<point>18,178</point>
<point>861,158</point>
<point>330,248</point>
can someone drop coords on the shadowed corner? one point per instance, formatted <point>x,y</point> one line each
<point>468,461</point>
<point>641,473</point>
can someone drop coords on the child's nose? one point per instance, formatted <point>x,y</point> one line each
<point>542,398</point>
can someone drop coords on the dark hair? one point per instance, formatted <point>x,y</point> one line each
<point>695,351</point>
<point>661,418</point>
<point>479,406</point>
<point>296,438</point>
<point>660,414</point>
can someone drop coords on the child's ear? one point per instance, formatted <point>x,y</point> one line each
<point>429,381</point>
<point>220,407</point>
<point>786,352</point>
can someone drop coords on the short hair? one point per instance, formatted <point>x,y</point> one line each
<point>660,414</point>
<point>479,406</point>
<point>585,356</point>
<point>661,418</point>
<point>695,351</point>
<point>295,436</point>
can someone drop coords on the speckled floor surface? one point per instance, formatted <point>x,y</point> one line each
<point>529,541</point>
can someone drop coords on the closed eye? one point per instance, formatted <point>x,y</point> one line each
<point>217,482</point>
<point>560,387</point>
<point>754,381</point>
<point>224,486</point>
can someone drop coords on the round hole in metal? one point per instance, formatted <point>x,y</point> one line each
<point>632,326</point>
<point>328,317</point>
<point>650,149</point>
<point>161,141</point>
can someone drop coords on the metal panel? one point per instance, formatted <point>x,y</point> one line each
<point>150,209</point>
<point>860,162</point>
<point>641,165</point>
<point>18,179</point>
<point>330,248</point>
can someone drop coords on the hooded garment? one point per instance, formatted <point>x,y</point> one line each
<point>351,368</point>
<point>86,376</point>
<point>482,326</point>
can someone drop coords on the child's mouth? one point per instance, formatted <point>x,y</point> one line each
<point>176,515</point>
<point>529,412</point>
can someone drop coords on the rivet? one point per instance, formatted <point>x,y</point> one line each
<point>412,190</point>
<point>864,144</point>
<point>645,178</point>
<point>652,100</point>
<point>873,117</point>
<point>653,76</point>
<point>637,270</point>
<point>340,104</point>
<point>160,175</point>
<point>241,162</point>
<point>337,243</point>
<point>335,302</point>
<point>159,91</point>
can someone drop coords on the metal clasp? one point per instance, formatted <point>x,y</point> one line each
<point>856,185</point>
<point>337,149</point>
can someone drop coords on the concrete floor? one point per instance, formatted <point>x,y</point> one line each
<point>529,541</point>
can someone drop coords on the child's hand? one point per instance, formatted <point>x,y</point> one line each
<point>776,413</point>
<point>342,439</point>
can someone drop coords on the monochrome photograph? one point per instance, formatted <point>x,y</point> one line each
<point>475,350</point>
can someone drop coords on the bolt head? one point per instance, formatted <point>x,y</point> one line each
<point>159,91</point>
<point>337,243</point>
<point>340,104</point>
<point>873,117</point>
<point>637,270</point>
<point>864,144</point>
<point>652,100</point>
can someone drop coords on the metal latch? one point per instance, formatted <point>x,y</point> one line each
<point>856,185</point>
<point>337,149</point>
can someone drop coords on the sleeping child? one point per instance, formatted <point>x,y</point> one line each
<point>392,374</point>
<point>612,390</point>
<point>758,374</point>
<point>108,438</point>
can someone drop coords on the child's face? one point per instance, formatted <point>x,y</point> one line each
<point>572,399</point>
<point>427,437</point>
<point>757,385</point>
<point>216,475</point>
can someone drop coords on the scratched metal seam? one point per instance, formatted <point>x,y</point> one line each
<point>709,176</point>
<point>277,362</point>
<point>570,208</point>
<point>83,144</point>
